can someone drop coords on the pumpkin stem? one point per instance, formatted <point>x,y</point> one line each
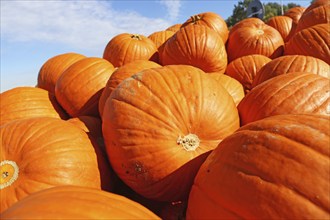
<point>189,142</point>
<point>9,173</point>
<point>195,18</point>
<point>136,36</point>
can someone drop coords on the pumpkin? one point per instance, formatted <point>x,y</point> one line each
<point>233,86</point>
<point>295,13</point>
<point>80,86</point>
<point>315,4</point>
<point>294,93</point>
<point>174,27</point>
<point>291,63</point>
<point>283,24</point>
<point>255,39</point>
<point>159,38</point>
<point>125,47</point>
<point>245,68</point>
<point>76,202</point>
<point>158,127</point>
<point>312,41</point>
<point>120,74</point>
<point>318,15</point>
<point>41,152</point>
<point>196,45</point>
<point>274,168</point>
<point>28,102</point>
<point>211,20</point>
<point>52,69</point>
<point>246,22</point>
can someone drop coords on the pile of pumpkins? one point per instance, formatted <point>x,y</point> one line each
<point>198,121</point>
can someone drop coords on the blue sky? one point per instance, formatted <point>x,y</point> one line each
<point>34,31</point>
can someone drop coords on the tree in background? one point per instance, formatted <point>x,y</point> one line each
<point>271,9</point>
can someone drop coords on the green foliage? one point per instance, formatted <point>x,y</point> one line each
<point>271,9</point>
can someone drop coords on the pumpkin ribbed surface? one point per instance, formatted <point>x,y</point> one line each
<point>160,124</point>
<point>75,202</point>
<point>48,152</point>
<point>282,24</point>
<point>274,168</point>
<point>294,93</point>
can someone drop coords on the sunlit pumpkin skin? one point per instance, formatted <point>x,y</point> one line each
<point>174,27</point>
<point>255,39</point>
<point>247,22</point>
<point>80,86</point>
<point>245,68</point>
<point>125,47</point>
<point>274,168</point>
<point>28,102</point>
<point>290,64</point>
<point>41,153</point>
<point>52,69</point>
<point>318,15</point>
<point>211,20</point>
<point>76,202</point>
<point>294,93</point>
<point>196,45</point>
<point>120,74</point>
<point>312,41</point>
<point>282,24</point>
<point>160,124</point>
<point>233,86</point>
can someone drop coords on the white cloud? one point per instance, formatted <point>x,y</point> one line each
<point>173,8</point>
<point>79,24</point>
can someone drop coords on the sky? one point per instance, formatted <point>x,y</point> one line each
<point>32,31</point>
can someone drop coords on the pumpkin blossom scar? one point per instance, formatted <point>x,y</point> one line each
<point>9,173</point>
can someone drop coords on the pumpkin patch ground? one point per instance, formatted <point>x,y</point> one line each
<point>195,121</point>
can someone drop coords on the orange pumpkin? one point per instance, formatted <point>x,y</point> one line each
<point>80,86</point>
<point>120,74</point>
<point>291,63</point>
<point>159,38</point>
<point>38,153</point>
<point>246,22</point>
<point>211,20</point>
<point>315,4</point>
<point>196,45</point>
<point>52,69</point>
<point>160,124</point>
<point>312,41</point>
<point>294,93</point>
<point>274,168</point>
<point>174,27</point>
<point>245,68</point>
<point>283,24</point>
<point>295,13</point>
<point>28,102</point>
<point>125,47</point>
<point>255,39</point>
<point>75,202</point>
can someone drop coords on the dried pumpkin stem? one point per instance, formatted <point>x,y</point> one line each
<point>195,18</point>
<point>9,173</point>
<point>189,142</point>
<point>136,36</point>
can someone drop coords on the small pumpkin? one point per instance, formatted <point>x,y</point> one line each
<point>294,93</point>
<point>274,168</point>
<point>125,47</point>
<point>196,45</point>
<point>28,102</point>
<point>76,202</point>
<point>158,127</point>
<point>79,88</point>
<point>52,69</point>
<point>42,152</point>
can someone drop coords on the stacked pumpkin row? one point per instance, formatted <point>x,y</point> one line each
<point>194,119</point>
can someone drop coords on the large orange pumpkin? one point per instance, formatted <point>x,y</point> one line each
<point>28,102</point>
<point>211,20</point>
<point>256,38</point>
<point>295,13</point>
<point>196,45</point>
<point>283,24</point>
<point>312,41</point>
<point>76,202</point>
<point>120,74</point>
<point>125,47</point>
<point>289,64</point>
<point>274,168</point>
<point>174,27</point>
<point>315,4</point>
<point>38,153</point>
<point>80,86</point>
<point>52,69</point>
<point>159,38</point>
<point>245,68</point>
<point>294,93</point>
<point>246,22</point>
<point>160,124</point>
